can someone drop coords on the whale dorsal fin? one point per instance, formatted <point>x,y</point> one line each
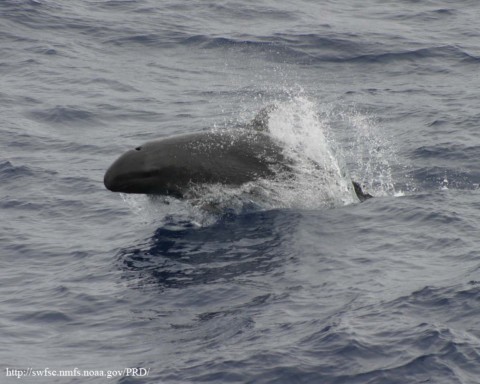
<point>260,121</point>
<point>362,196</point>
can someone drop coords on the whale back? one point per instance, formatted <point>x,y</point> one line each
<point>171,165</point>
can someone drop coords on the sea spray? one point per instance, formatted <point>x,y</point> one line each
<point>367,151</point>
<point>320,179</point>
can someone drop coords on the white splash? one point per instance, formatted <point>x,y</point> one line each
<point>161,210</point>
<point>444,185</point>
<point>319,178</point>
<point>369,153</point>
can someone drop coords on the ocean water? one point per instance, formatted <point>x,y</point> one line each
<point>290,281</point>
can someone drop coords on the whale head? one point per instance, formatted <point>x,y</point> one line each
<point>141,170</point>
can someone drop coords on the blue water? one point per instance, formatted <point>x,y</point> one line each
<point>298,285</point>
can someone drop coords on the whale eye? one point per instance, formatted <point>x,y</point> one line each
<point>138,148</point>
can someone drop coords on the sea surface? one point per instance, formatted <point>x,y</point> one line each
<point>287,280</point>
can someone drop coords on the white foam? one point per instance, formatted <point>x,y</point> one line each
<point>320,180</point>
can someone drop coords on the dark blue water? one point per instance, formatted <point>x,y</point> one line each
<point>287,282</point>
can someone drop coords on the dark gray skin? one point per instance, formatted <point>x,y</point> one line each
<point>171,165</point>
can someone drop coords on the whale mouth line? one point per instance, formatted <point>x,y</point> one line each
<point>142,184</point>
<point>116,184</point>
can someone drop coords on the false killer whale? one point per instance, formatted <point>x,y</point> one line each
<point>170,166</point>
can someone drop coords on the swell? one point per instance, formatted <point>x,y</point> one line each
<point>329,47</point>
<point>315,48</point>
<point>426,336</point>
<point>179,254</point>
<point>448,151</point>
<point>446,166</point>
<point>64,115</point>
<point>176,30</point>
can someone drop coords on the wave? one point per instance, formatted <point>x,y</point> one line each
<point>446,177</point>
<point>426,336</point>
<point>433,15</point>
<point>421,346</point>
<point>22,174</point>
<point>64,115</point>
<point>313,48</point>
<point>316,48</point>
<point>149,40</point>
<point>177,30</point>
<point>446,166</point>
<point>9,171</point>
<point>447,151</point>
<point>179,254</point>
